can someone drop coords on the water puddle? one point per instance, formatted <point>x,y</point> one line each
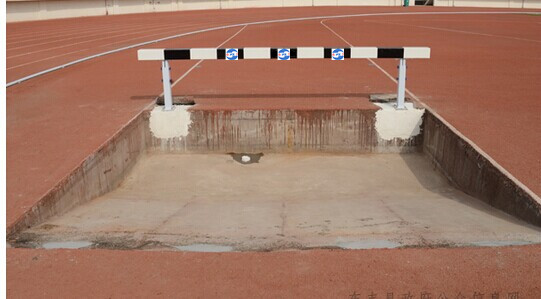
<point>66,245</point>
<point>500,243</point>
<point>368,244</point>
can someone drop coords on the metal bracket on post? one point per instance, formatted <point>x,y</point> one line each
<point>401,94</point>
<point>167,93</point>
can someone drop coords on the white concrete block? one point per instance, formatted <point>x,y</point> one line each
<point>392,123</point>
<point>170,124</point>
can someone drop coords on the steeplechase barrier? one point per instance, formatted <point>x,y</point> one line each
<point>283,54</point>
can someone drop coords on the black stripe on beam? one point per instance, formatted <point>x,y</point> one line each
<point>293,53</point>
<point>241,53</point>
<point>220,54</point>
<point>390,52</point>
<point>274,53</point>
<point>327,53</point>
<point>174,54</point>
<point>347,52</point>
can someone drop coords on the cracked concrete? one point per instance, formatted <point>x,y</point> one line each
<point>284,201</point>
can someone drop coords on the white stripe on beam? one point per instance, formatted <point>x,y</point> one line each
<point>203,53</point>
<point>256,53</point>
<point>364,52</point>
<point>150,54</point>
<point>416,52</point>
<point>310,52</point>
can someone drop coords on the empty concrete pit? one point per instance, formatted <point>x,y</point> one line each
<point>237,180</point>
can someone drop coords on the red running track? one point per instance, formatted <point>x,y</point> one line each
<point>483,78</point>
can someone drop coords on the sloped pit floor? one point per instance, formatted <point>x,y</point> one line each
<point>284,201</point>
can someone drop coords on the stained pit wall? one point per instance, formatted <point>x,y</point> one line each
<point>384,130</point>
<point>475,174</point>
<point>98,174</point>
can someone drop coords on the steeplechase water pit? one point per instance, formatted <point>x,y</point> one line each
<point>380,173</point>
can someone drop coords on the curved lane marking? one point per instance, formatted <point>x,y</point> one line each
<point>450,126</point>
<point>253,23</point>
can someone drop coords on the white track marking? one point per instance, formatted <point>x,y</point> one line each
<point>372,61</point>
<point>57,38</point>
<point>44,59</point>
<point>82,50</point>
<point>91,41</point>
<point>200,61</point>
<point>458,31</point>
<point>451,127</point>
<point>43,36</point>
<point>254,23</point>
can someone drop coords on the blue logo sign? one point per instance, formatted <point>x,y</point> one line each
<point>337,54</point>
<point>283,54</point>
<point>232,54</point>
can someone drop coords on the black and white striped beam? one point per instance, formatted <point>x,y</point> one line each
<point>283,53</point>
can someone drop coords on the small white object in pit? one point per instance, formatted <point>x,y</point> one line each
<point>245,159</point>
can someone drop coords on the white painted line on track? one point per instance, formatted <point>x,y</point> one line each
<point>200,61</point>
<point>256,23</point>
<point>76,33</point>
<point>56,39</point>
<point>457,31</point>
<point>90,41</point>
<point>451,127</point>
<point>82,50</point>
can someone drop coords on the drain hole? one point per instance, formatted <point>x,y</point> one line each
<point>244,158</point>
<point>178,100</point>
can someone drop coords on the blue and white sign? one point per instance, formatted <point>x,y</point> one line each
<point>232,54</point>
<point>338,54</point>
<point>284,54</point>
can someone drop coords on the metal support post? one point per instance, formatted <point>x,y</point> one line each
<point>400,96</point>
<point>167,94</point>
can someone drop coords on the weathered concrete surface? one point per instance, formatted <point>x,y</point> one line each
<point>284,201</point>
<point>98,174</point>
<point>347,125</point>
<point>476,174</point>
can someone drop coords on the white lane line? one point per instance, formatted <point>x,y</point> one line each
<point>458,31</point>
<point>87,27</point>
<point>372,61</point>
<point>85,49</point>
<point>334,32</point>
<point>56,39</point>
<point>451,127</point>
<point>174,27</point>
<point>44,59</point>
<point>254,23</point>
<point>48,35</point>
<point>200,61</point>
<point>94,40</point>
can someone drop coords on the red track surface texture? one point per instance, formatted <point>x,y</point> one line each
<point>483,78</point>
<point>288,274</point>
